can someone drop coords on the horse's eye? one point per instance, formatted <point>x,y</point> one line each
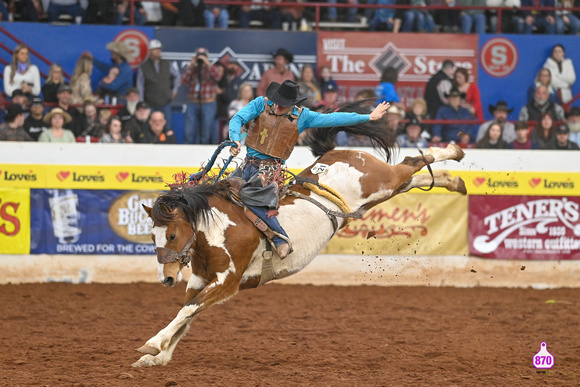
<point>172,237</point>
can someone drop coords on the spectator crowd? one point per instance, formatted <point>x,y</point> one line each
<point>449,16</point>
<point>129,107</point>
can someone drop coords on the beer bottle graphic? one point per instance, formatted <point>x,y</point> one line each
<point>65,215</point>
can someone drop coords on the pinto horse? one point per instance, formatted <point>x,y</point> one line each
<point>201,226</point>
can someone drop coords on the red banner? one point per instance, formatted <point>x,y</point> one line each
<point>357,59</point>
<point>524,227</point>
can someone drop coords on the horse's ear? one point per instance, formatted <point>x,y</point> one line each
<point>147,209</point>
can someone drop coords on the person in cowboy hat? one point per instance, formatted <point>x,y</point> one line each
<point>279,73</point>
<point>118,85</point>
<point>267,149</point>
<point>57,118</point>
<point>158,81</point>
<point>460,133</point>
<point>11,129</point>
<point>500,112</point>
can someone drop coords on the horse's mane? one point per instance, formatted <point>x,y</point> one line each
<point>192,200</point>
<point>322,140</point>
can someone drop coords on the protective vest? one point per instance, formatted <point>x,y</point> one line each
<point>273,135</point>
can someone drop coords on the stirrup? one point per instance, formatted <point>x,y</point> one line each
<point>284,254</point>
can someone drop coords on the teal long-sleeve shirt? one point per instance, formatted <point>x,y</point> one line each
<point>307,119</point>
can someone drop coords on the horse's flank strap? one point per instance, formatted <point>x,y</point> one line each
<point>331,214</point>
<point>330,194</point>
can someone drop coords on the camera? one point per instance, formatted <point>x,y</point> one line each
<point>199,61</point>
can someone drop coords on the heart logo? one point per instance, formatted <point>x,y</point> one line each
<point>535,181</point>
<point>479,181</point>
<point>62,175</point>
<point>121,176</point>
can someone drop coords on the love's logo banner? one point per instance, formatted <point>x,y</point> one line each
<point>155,178</point>
<point>521,183</point>
<point>90,177</point>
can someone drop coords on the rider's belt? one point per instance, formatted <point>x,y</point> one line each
<point>273,135</point>
<point>256,162</point>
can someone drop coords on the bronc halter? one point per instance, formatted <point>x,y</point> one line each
<point>165,255</point>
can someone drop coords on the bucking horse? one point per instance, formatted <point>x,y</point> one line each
<point>204,227</point>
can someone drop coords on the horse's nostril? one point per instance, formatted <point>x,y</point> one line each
<point>168,281</point>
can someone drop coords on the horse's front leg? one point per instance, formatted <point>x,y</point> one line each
<point>159,348</point>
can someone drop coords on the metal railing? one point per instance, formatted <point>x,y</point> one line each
<point>30,49</point>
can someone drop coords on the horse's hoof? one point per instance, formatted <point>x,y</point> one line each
<point>460,186</point>
<point>459,153</point>
<point>148,349</point>
<point>145,361</point>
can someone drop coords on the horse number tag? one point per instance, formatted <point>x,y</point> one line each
<point>317,169</point>
<point>543,359</point>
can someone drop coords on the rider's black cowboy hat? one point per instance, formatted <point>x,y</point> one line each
<point>500,105</point>
<point>285,94</point>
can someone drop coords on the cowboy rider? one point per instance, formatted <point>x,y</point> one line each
<point>268,149</point>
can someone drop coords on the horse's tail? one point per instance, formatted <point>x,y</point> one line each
<point>322,140</point>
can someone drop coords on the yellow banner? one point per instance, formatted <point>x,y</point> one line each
<point>15,221</point>
<point>154,178</point>
<point>22,176</point>
<point>517,183</point>
<point>522,183</point>
<point>89,177</point>
<point>407,225</point>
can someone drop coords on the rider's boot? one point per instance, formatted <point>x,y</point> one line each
<point>283,245</point>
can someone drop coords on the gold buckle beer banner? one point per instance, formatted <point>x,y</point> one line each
<point>14,221</point>
<point>407,225</point>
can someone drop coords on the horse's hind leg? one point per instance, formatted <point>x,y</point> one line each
<point>450,152</point>
<point>439,179</point>
<point>404,171</point>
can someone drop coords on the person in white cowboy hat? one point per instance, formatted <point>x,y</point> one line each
<point>57,118</point>
<point>120,57</point>
<point>158,81</point>
<point>274,126</point>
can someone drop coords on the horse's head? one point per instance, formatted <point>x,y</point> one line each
<point>176,215</point>
<point>174,238</point>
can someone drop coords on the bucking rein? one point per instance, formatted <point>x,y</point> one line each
<point>184,256</point>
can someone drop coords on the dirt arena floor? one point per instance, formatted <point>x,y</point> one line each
<point>59,334</point>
